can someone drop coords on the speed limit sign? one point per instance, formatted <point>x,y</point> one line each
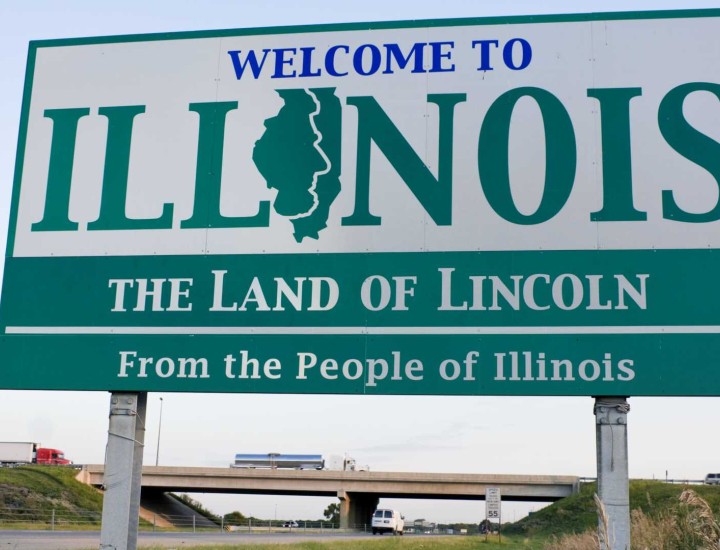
<point>492,504</point>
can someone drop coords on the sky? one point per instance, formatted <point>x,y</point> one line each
<point>668,437</point>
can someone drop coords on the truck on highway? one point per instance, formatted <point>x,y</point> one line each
<point>26,452</point>
<point>296,462</point>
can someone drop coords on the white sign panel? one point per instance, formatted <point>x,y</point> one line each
<point>563,135</point>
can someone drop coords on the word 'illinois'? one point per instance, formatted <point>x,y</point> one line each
<point>433,192</point>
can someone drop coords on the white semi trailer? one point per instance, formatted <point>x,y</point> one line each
<point>28,452</point>
<point>296,462</point>
<point>17,452</point>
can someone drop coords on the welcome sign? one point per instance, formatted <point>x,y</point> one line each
<point>517,206</point>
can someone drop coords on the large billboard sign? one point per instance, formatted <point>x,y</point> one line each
<point>520,206</point>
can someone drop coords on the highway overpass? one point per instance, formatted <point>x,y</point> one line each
<point>359,492</point>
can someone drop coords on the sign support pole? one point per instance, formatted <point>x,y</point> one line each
<point>612,472</point>
<point>123,471</point>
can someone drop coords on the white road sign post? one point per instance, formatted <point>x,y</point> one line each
<point>493,505</point>
<point>611,419</point>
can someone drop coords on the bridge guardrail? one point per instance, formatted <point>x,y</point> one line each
<point>672,481</point>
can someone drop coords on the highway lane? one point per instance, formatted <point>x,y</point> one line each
<point>90,540</point>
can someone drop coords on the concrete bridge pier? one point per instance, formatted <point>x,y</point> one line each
<point>356,509</point>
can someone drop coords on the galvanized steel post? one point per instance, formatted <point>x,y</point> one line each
<point>123,471</point>
<point>612,472</point>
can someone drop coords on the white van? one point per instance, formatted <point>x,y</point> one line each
<point>387,521</point>
<point>712,479</point>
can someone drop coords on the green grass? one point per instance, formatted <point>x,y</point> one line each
<point>31,493</point>
<point>390,543</point>
<point>577,513</point>
<point>651,496</point>
<point>573,514</point>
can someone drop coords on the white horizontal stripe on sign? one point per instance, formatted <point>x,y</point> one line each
<point>706,329</point>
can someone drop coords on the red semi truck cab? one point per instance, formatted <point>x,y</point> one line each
<point>50,456</point>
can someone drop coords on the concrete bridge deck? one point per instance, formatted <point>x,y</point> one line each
<point>359,492</point>
<point>542,488</point>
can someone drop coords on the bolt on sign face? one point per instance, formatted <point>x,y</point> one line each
<point>505,206</point>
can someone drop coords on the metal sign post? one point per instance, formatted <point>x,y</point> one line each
<point>123,471</point>
<point>612,472</point>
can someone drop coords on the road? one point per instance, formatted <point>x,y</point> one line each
<point>87,540</point>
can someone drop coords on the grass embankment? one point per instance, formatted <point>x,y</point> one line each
<point>37,494</point>
<point>578,513</point>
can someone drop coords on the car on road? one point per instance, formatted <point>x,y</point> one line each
<point>291,524</point>
<point>387,521</point>
<point>712,479</point>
